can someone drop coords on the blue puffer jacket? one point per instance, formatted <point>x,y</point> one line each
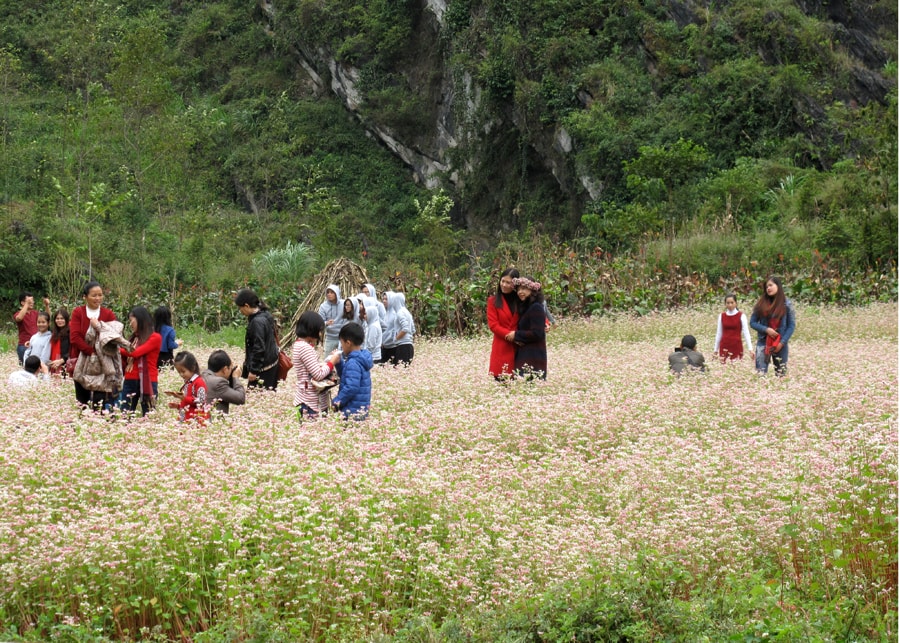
<point>355,394</point>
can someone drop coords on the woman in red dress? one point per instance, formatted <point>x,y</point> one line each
<point>503,318</point>
<point>732,328</point>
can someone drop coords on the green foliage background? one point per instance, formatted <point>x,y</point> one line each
<point>165,146</point>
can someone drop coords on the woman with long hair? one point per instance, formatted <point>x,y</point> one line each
<point>503,318</point>
<point>260,347</point>
<point>59,342</point>
<point>162,323</point>
<point>774,321</point>
<point>141,362</point>
<point>531,331</point>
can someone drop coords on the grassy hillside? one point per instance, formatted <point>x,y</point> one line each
<point>169,142</point>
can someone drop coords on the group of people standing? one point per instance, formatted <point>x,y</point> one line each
<point>42,334</point>
<point>773,319</point>
<point>109,371</point>
<point>518,318</point>
<point>356,332</point>
<point>388,324</point>
<point>112,372</point>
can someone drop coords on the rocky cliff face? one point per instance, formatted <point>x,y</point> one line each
<point>472,149</point>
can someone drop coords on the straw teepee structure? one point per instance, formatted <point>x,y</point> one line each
<point>343,272</point>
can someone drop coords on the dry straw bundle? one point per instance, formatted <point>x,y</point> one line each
<point>343,272</point>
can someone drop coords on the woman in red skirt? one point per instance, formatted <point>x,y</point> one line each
<point>732,328</point>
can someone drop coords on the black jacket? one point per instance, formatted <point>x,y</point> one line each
<point>260,348</point>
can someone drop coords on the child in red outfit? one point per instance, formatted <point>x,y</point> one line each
<point>192,404</point>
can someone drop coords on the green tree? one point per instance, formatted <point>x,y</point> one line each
<point>438,242</point>
<point>660,171</point>
<point>96,212</point>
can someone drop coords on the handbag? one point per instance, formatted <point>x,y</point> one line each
<point>284,365</point>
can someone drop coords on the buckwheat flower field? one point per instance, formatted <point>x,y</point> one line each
<point>458,495</point>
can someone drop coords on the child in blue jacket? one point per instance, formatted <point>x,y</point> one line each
<point>353,365</point>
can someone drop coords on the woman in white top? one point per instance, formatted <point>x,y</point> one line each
<point>39,344</point>
<point>732,327</point>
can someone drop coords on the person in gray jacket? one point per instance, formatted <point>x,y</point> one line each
<point>397,340</point>
<point>331,310</point>
<point>686,357</point>
<point>223,382</point>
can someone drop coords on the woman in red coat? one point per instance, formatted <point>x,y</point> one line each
<point>83,317</point>
<point>503,318</point>
<point>141,363</point>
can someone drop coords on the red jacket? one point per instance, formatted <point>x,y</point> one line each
<point>150,348</point>
<point>501,321</point>
<point>195,403</point>
<point>78,325</point>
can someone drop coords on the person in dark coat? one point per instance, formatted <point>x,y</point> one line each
<point>531,331</point>
<point>686,357</point>
<point>261,349</point>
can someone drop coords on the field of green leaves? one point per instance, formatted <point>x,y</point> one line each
<point>612,502</point>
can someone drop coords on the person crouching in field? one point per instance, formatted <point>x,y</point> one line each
<point>354,365</point>
<point>531,331</point>
<point>686,357</point>
<point>30,373</point>
<point>223,384</point>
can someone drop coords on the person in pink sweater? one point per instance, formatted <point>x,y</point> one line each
<point>310,399</point>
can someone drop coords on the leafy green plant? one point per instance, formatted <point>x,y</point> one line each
<point>292,263</point>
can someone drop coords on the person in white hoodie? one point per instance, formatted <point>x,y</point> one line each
<point>351,311</point>
<point>397,342</point>
<point>368,290</point>
<point>39,344</point>
<point>369,312</point>
<point>331,311</point>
